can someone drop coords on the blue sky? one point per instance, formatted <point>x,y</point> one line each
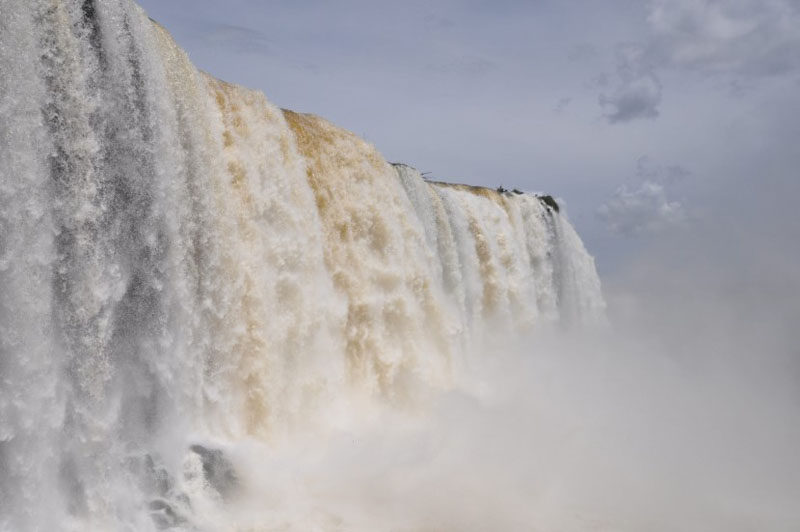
<point>651,119</point>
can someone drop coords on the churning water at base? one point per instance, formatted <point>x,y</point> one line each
<point>192,278</point>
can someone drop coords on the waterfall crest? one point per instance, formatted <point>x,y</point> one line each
<point>183,264</point>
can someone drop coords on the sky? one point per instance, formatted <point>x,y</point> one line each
<point>650,120</point>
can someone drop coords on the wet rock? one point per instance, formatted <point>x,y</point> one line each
<point>218,470</point>
<point>153,478</point>
<point>163,515</point>
<point>157,476</point>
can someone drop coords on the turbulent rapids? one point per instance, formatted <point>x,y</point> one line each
<point>184,266</point>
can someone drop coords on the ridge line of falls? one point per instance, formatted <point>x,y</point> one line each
<point>183,265</point>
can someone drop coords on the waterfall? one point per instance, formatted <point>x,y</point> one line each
<point>184,265</point>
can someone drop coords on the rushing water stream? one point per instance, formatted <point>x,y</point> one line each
<point>184,266</point>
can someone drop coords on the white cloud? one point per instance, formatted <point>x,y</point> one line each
<point>644,207</point>
<point>642,210</point>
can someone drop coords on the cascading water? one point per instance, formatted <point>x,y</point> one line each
<point>184,266</point>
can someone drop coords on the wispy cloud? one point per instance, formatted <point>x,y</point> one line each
<point>562,104</point>
<point>738,42</point>
<point>749,38</point>
<point>633,99</point>
<point>582,52</point>
<point>637,93</point>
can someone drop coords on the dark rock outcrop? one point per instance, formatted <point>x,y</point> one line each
<point>549,201</point>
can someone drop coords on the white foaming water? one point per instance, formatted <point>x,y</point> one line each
<point>195,284</point>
